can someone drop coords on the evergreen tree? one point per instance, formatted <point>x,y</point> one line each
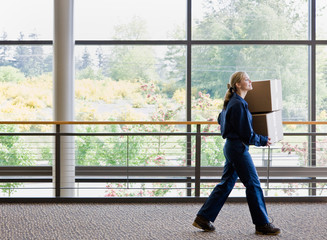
<point>4,51</point>
<point>36,59</point>
<point>86,60</point>
<point>21,57</point>
<point>101,57</point>
<point>29,59</point>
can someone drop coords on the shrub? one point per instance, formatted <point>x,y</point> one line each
<point>10,74</point>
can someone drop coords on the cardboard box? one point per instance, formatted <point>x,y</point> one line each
<point>269,124</point>
<point>266,96</point>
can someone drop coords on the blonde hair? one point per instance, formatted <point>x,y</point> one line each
<point>236,77</point>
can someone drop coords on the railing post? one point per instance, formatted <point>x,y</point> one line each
<point>189,90</point>
<point>197,160</point>
<point>312,91</point>
<point>57,161</point>
<point>189,158</point>
<point>127,162</point>
<point>268,165</point>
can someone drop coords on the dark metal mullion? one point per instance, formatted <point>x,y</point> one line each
<point>147,134</point>
<point>26,42</point>
<point>198,161</point>
<point>189,89</point>
<point>312,89</point>
<point>130,42</point>
<point>27,134</point>
<point>128,134</point>
<point>167,42</point>
<point>57,161</point>
<point>252,42</point>
<point>196,42</point>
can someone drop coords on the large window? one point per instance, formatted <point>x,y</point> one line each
<point>169,60</point>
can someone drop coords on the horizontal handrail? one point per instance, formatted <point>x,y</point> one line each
<point>187,174</point>
<point>145,122</point>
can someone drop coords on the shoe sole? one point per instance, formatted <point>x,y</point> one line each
<point>262,233</point>
<point>198,226</point>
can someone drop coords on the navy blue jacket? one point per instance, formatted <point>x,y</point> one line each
<point>236,123</point>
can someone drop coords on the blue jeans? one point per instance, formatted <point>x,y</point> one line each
<point>238,164</point>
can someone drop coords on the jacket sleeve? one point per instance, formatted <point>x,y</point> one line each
<point>241,121</point>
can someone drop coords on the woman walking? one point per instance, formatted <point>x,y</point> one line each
<point>235,122</point>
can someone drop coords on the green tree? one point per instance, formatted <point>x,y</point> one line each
<point>12,153</point>
<point>130,62</point>
<point>246,20</point>
<point>212,65</point>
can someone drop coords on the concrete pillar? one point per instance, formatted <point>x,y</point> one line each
<point>63,72</point>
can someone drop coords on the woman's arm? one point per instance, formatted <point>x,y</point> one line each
<point>241,122</point>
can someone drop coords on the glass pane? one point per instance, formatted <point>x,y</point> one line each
<point>321,106</point>
<point>321,20</point>
<point>130,83</point>
<point>250,20</point>
<point>321,151</point>
<point>155,189</point>
<point>287,189</point>
<point>130,19</point>
<point>26,20</point>
<point>26,82</point>
<point>122,150</point>
<point>292,151</point>
<point>212,66</point>
<point>321,86</point>
<point>212,147</point>
<point>26,189</point>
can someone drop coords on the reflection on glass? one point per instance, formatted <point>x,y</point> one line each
<point>26,20</point>
<point>130,19</point>
<point>250,20</point>
<point>212,66</point>
<point>130,83</point>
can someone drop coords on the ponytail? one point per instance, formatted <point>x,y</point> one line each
<point>235,78</point>
<point>228,95</point>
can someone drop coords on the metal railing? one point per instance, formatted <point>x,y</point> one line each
<point>192,172</point>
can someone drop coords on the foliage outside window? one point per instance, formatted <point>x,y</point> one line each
<point>148,82</point>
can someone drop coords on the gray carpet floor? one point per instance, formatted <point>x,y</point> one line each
<point>154,221</point>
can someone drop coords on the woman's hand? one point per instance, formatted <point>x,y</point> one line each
<point>269,142</point>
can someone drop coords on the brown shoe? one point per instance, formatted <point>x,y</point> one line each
<point>267,229</point>
<point>204,224</point>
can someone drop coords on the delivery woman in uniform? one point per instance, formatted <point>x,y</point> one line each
<point>236,127</point>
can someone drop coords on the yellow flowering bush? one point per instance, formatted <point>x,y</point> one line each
<point>106,90</point>
<point>180,96</point>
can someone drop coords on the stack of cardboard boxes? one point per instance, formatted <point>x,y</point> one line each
<point>265,104</point>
